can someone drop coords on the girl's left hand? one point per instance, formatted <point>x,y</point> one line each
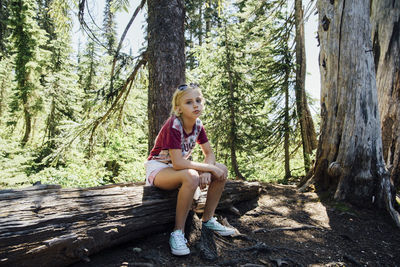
<point>204,179</point>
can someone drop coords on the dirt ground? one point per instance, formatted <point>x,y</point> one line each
<point>282,228</point>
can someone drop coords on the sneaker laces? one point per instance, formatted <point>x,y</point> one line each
<point>214,222</point>
<point>179,238</point>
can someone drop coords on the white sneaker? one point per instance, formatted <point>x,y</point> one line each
<point>212,224</point>
<point>177,242</point>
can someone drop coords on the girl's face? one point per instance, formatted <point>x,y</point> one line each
<point>191,104</point>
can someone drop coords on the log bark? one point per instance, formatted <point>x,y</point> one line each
<point>46,225</point>
<point>350,144</point>
<point>385,21</point>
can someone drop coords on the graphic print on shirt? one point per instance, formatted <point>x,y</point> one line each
<point>172,136</point>
<point>188,143</point>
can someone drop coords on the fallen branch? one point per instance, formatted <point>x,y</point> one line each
<point>263,248</point>
<point>305,227</point>
<point>352,260</point>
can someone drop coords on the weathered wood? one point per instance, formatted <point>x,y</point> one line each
<point>350,124</point>
<point>47,225</point>
<point>385,21</point>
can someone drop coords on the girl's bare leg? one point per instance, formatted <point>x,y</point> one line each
<point>188,180</point>
<point>214,194</point>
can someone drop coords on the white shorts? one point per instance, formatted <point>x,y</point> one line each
<point>153,167</point>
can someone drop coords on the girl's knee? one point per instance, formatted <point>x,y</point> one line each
<point>191,178</point>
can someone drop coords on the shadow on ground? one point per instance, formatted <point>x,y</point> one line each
<point>284,228</point>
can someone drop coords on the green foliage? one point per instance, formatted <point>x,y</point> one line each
<point>71,97</point>
<point>6,83</point>
<point>31,59</point>
<point>4,30</point>
<point>241,68</point>
<point>109,26</point>
<point>119,5</point>
<point>237,50</point>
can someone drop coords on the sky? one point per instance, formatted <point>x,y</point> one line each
<point>135,38</point>
<point>313,83</point>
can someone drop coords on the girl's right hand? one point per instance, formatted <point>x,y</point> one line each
<point>217,172</point>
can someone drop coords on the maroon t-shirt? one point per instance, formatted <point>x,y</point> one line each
<point>172,136</point>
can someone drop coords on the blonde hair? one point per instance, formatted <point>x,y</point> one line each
<point>179,93</point>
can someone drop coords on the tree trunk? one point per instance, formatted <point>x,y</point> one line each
<point>28,123</point>
<point>385,19</point>
<point>2,94</point>
<point>51,124</point>
<point>200,25</point>
<point>207,17</point>
<point>308,135</point>
<point>166,59</point>
<point>286,123</point>
<point>349,156</point>
<point>45,225</point>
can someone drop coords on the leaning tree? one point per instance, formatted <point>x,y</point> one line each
<point>385,20</point>
<point>349,157</point>
<point>166,59</point>
<point>307,129</point>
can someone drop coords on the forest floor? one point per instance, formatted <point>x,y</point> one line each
<point>282,228</point>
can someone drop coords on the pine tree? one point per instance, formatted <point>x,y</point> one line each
<point>232,108</point>
<point>247,71</point>
<point>61,86</point>
<point>88,67</point>
<point>30,61</point>
<point>5,83</point>
<point>109,26</point>
<point>4,30</point>
<point>200,15</point>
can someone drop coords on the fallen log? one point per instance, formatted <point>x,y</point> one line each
<point>46,225</point>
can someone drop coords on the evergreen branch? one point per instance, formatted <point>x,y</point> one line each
<point>91,17</point>
<point>85,26</point>
<point>122,39</point>
<point>54,156</point>
<point>97,122</point>
<point>103,118</point>
<point>124,101</point>
<point>129,25</point>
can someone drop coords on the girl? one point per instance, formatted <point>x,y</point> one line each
<point>168,166</point>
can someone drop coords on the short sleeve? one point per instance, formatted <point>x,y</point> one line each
<point>172,140</point>
<point>202,139</point>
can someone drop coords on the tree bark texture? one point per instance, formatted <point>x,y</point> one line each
<point>307,128</point>
<point>48,226</point>
<point>28,123</point>
<point>166,59</point>
<point>286,142</point>
<point>385,20</point>
<point>349,156</point>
